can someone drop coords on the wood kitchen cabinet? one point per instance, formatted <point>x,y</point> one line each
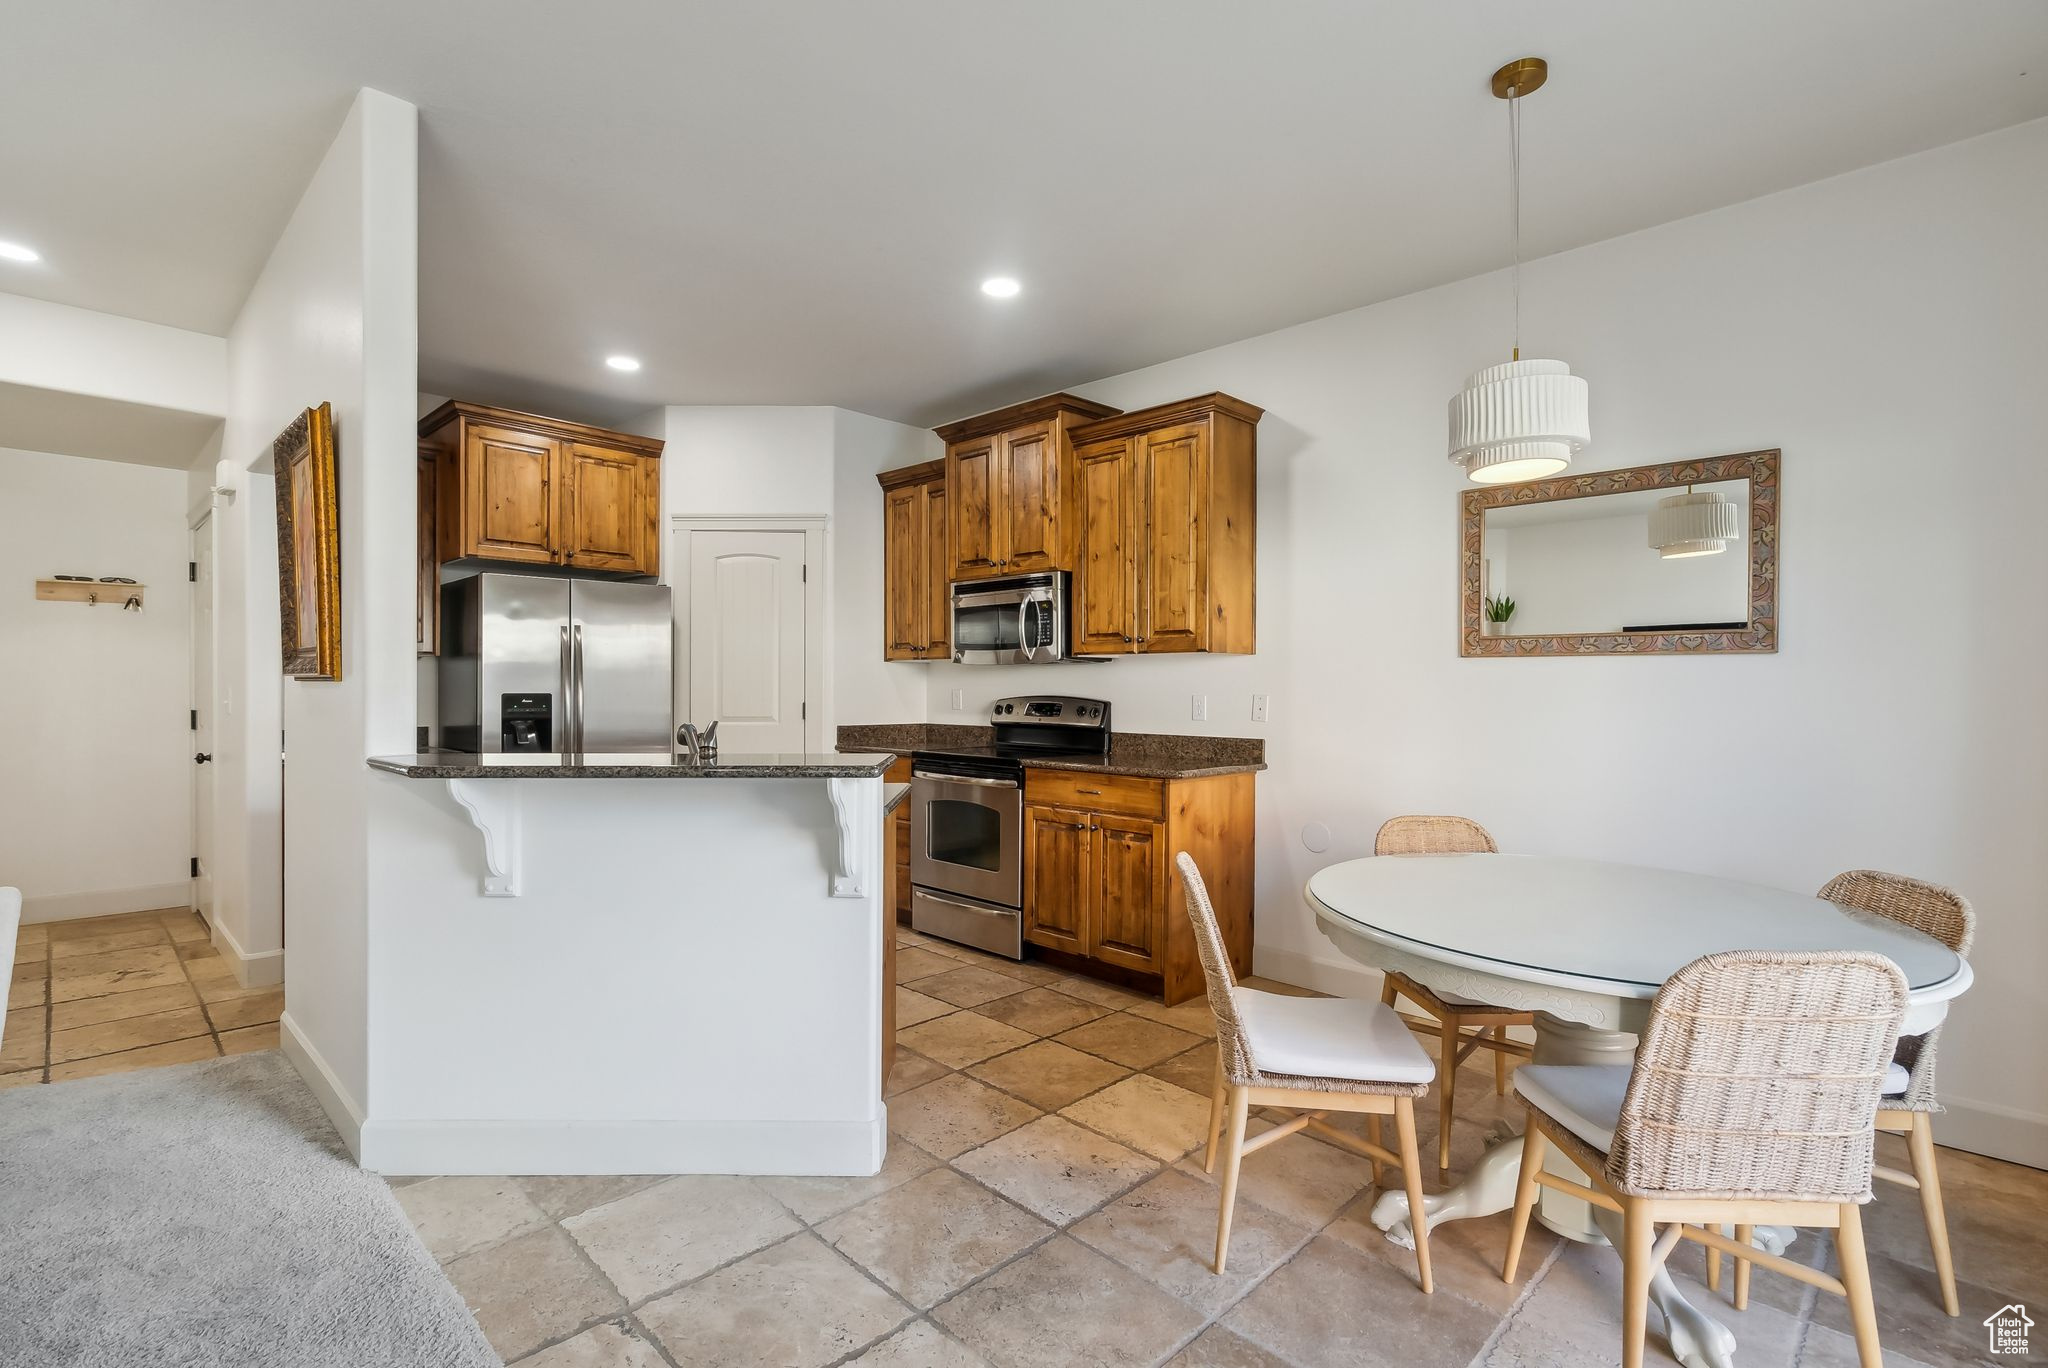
<point>1100,882</point>
<point>899,843</point>
<point>1011,486</point>
<point>522,489</point>
<point>1166,512</point>
<point>916,614</point>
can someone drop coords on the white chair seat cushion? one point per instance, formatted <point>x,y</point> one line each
<point>1583,1098</point>
<point>1896,1079</point>
<point>1331,1038</point>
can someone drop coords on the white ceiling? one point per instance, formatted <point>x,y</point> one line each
<point>37,419</point>
<point>781,202</point>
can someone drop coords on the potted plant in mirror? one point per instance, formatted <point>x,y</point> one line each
<point>1498,611</point>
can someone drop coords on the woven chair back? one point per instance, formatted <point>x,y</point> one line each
<point>1416,835</point>
<point>1233,1047</point>
<point>1758,1077</point>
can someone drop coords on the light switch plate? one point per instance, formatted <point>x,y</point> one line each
<point>959,700</point>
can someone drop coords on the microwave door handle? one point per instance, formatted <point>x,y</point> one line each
<point>1024,641</point>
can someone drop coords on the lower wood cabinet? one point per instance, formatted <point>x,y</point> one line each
<point>899,843</point>
<point>1100,879</point>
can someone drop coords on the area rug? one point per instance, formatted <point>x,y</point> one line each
<point>208,1214</point>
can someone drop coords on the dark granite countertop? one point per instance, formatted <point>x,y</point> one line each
<point>464,765</point>
<point>1140,755</point>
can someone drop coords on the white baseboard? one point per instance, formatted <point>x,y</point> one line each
<point>1992,1129</point>
<point>593,1147</point>
<point>262,969</point>
<point>105,902</point>
<point>1339,978</point>
<point>341,1109</point>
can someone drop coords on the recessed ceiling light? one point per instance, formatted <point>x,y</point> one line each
<point>14,251</point>
<point>1000,287</point>
<point>624,363</point>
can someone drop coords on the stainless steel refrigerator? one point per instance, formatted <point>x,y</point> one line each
<point>556,666</point>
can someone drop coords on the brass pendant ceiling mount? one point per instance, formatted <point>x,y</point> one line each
<point>1523,76</point>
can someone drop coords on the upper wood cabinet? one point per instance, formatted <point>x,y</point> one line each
<point>1011,486</point>
<point>916,615</point>
<point>1167,510</point>
<point>524,489</point>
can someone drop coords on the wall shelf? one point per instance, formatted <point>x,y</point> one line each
<point>90,592</point>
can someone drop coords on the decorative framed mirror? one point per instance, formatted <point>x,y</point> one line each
<point>1673,559</point>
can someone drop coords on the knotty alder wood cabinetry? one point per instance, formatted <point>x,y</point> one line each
<point>426,564</point>
<point>1167,514</point>
<point>916,613</point>
<point>1100,883</point>
<point>1011,489</point>
<point>527,490</point>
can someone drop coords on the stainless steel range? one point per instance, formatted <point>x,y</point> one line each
<point>967,818</point>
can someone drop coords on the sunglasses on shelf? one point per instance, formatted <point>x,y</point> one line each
<point>115,579</point>
<point>77,579</point>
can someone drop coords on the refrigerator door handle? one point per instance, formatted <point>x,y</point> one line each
<point>576,705</point>
<point>566,742</point>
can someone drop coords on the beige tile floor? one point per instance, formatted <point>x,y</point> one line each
<point>1043,1204</point>
<point>129,992</point>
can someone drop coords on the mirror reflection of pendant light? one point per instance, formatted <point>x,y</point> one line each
<point>1521,420</point>
<point>1692,524</point>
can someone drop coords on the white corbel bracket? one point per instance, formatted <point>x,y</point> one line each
<point>857,807</point>
<point>493,808</point>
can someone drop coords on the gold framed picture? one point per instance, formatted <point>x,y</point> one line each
<point>308,546</point>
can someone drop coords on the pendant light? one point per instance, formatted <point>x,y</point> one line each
<point>1692,524</point>
<point>1521,420</point>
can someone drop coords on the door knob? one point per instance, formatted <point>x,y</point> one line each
<point>201,758</point>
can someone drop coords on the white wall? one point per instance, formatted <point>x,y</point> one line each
<point>96,784</point>
<point>1884,329</point>
<point>862,687</point>
<point>765,461</point>
<point>77,351</point>
<point>332,317</point>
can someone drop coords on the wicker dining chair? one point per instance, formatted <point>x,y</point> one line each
<point>1750,1103</point>
<point>1451,836</point>
<point>1909,1103</point>
<point>1311,1056</point>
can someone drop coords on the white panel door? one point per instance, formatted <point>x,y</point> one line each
<point>747,639</point>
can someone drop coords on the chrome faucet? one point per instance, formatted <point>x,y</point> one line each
<point>698,746</point>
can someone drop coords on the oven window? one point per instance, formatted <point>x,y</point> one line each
<point>986,628</point>
<point>965,834</point>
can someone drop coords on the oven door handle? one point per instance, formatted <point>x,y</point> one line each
<point>1004,913</point>
<point>964,779</point>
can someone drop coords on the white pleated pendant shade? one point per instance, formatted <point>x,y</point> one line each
<point>1693,525</point>
<point>1521,420</point>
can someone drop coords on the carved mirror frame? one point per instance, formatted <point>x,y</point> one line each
<point>1760,468</point>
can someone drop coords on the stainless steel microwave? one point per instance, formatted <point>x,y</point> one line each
<point>1015,620</point>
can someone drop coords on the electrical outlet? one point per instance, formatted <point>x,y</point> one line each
<point>1259,709</point>
<point>959,700</point>
<point>1198,707</point>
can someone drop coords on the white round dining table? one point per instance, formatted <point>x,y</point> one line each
<point>1585,945</point>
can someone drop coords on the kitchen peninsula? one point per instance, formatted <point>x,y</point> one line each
<point>627,964</point>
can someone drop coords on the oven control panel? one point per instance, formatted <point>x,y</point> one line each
<point>1056,710</point>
